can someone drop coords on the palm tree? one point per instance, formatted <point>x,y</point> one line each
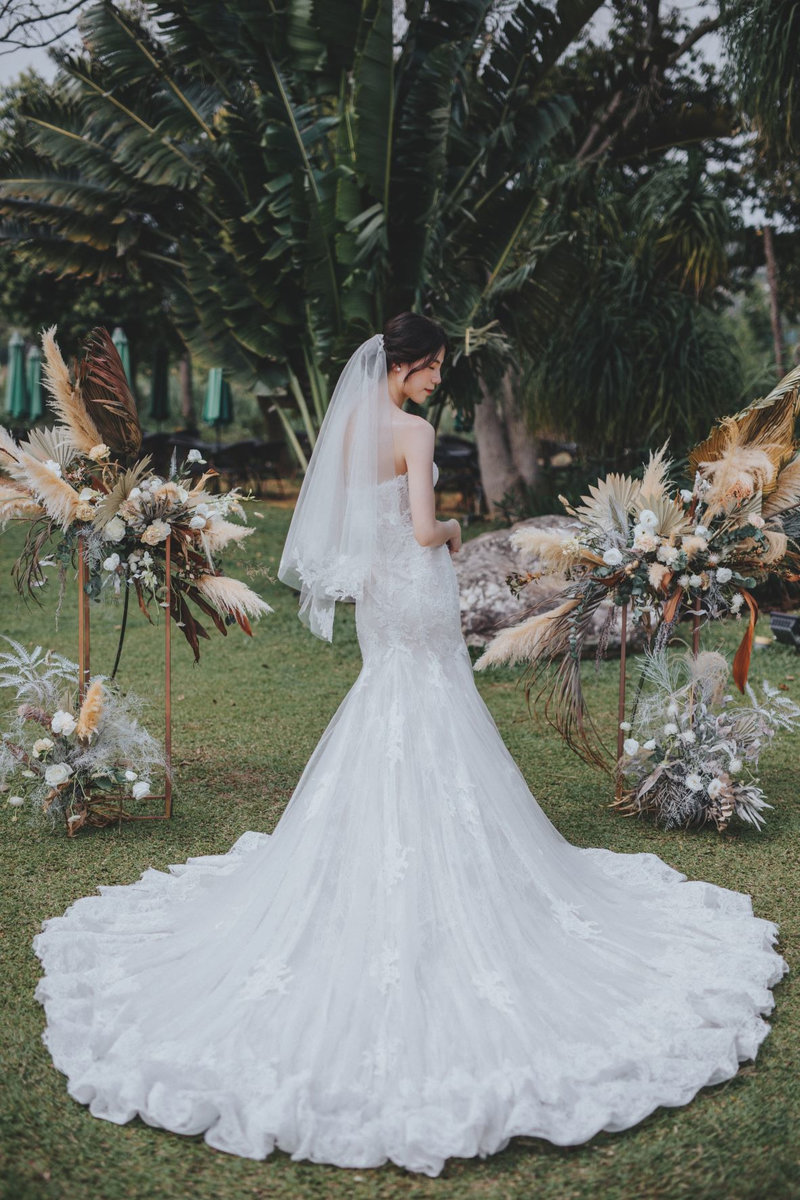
<point>291,176</point>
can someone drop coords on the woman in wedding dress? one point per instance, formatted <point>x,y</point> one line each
<point>415,964</point>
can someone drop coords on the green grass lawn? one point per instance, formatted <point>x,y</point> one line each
<point>245,721</point>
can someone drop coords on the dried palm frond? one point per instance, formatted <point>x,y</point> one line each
<point>218,534</point>
<point>91,711</point>
<point>105,390</point>
<point>609,504</point>
<point>671,516</point>
<point>55,445</point>
<point>65,398</point>
<point>789,383</point>
<point>232,596</point>
<point>654,479</point>
<point>108,507</point>
<point>767,426</point>
<point>787,490</point>
<point>10,456</point>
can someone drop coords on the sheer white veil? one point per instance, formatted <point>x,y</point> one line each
<point>332,541</point>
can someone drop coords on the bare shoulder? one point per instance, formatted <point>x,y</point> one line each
<point>413,430</point>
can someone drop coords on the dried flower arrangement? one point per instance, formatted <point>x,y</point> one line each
<point>690,753</point>
<point>660,552</point>
<point>80,486</point>
<point>70,759</point>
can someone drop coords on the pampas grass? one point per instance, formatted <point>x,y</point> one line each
<point>65,399</point>
<point>528,641</point>
<point>16,503</point>
<point>232,596</point>
<point>91,711</point>
<point>218,533</point>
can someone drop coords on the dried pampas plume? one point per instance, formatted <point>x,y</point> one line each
<point>528,641</point>
<point>218,533</point>
<point>16,502</point>
<point>232,596</point>
<point>548,548</point>
<point>65,398</point>
<point>91,711</point>
<point>737,475</point>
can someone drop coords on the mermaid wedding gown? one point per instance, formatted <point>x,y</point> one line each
<point>415,964</point>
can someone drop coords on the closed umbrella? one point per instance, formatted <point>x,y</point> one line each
<point>120,340</point>
<point>35,397</point>
<point>159,395</point>
<point>16,393</point>
<point>218,406</point>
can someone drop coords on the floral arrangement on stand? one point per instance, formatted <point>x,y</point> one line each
<point>69,759</point>
<point>659,553</point>
<point>80,487</point>
<point>690,753</point>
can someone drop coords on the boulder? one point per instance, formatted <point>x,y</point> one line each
<point>487,603</point>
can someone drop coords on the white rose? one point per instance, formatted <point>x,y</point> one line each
<point>135,493</point>
<point>700,531</point>
<point>16,801</point>
<point>694,783</point>
<point>87,494</point>
<point>197,523</point>
<point>670,729</point>
<point>689,737</point>
<point>131,776</point>
<point>612,557</point>
<point>63,723</point>
<point>648,520</point>
<point>41,746</point>
<point>99,452</point>
<point>114,531</point>
<point>724,574</point>
<point>57,773</point>
<point>630,746</point>
<point>715,787</point>
<point>141,789</point>
<point>735,766</point>
<point>625,725</point>
<point>111,563</point>
<point>195,456</point>
<point>667,554</point>
<point>686,495</point>
<point>756,522</point>
<point>53,466</point>
<point>650,744</point>
<point>182,494</point>
<point>695,581</point>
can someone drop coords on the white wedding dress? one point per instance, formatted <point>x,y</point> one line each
<point>415,964</point>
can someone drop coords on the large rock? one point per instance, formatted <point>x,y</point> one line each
<point>487,603</point>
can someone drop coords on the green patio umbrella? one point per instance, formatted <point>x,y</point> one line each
<point>34,379</point>
<point>159,393</point>
<point>120,340</point>
<point>218,406</point>
<point>16,393</point>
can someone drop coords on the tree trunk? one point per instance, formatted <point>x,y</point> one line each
<point>498,473</point>
<point>774,306</point>
<point>521,442</point>
<point>187,393</point>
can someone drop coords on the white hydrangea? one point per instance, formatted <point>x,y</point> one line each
<point>715,787</point>
<point>724,574</point>
<point>668,554</point>
<point>612,557</point>
<point>630,746</point>
<point>689,737</point>
<point>670,729</point>
<point>625,726</point>
<point>695,581</point>
<point>735,766</point>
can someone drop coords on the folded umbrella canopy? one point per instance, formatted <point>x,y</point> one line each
<point>218,406</point>
<point>120,340</point>
<point>16,391</point>
<point>34,380</point>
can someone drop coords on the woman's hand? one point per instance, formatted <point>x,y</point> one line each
<point>454,542</point>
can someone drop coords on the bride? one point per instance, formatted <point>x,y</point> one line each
<point>415,964</point>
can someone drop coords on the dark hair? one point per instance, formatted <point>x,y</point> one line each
<point>410,338</point>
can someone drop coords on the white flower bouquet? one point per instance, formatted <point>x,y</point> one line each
<point>73,484</point>
<point>70,760</point>
<point>692,753</point>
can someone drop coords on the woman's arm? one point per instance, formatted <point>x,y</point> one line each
<point>417,446</point>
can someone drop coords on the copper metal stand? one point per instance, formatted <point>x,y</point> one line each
<point>84,651</point>
<point>623,655</point>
